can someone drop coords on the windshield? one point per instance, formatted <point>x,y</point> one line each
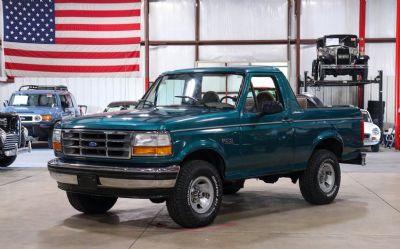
<point>349,41</point>
<point>119,108</point>
<point>194,89</point>
<point>47,100</point>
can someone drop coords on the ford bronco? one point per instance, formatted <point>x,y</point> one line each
<point>198,134</point>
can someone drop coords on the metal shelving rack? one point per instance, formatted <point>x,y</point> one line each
<point>310,82</point>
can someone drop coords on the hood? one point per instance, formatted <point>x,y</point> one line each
<point>30,109</point>
<point>154,119</point>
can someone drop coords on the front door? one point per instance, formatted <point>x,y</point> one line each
<point>266,140</point>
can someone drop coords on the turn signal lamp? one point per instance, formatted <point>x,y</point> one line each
<point>47,117</point>
<point>57,140</point>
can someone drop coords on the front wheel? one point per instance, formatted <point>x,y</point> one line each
<point>197,195</point>
<point>90,204</point>
<point>320,182</point>
<point>6,161</point>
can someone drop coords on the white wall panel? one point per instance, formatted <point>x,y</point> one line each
<point>166,58</point>
<point>381,18</point>
<point>96,93</point>
<point>244,53</point>
<point>243,19</point>
<point>321,17</point>
<point>172,20</point>
<point>382,57</point>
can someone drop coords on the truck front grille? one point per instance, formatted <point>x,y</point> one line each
<point>11,141</point>
<point>95,143</point>
<point>343,56</point>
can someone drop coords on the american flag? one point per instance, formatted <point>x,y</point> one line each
<point>71,38</point>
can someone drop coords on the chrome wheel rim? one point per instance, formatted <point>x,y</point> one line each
<point>326,177</point>
<point>201,194</point>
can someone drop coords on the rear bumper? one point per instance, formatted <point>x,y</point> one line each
<point>110,180</point>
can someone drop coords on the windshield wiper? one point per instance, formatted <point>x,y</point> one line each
<point>146,102</point>
<point>196,101</point>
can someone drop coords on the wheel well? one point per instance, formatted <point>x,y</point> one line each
<point>331,144</point>
<point>210,156</point>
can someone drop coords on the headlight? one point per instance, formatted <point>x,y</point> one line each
<point>151,144</point>
<point>47,117</point>
<point>375,131</point>
<point>57,140</point>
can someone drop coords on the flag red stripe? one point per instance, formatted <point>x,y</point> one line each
<point>97,13</point>
<point>97,1</point>
<point>71,69</point>
<point>99,27</point>
<point>71,55</point>
<point>98,41</point>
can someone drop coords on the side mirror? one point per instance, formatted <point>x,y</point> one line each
<point>271,107</point>
<point>5,103</point>
<point>83,109</point>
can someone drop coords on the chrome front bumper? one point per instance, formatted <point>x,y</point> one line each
<point>112,177</point>
<point>17,150</point>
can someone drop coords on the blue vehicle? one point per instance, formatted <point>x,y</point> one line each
<point>41,107</point>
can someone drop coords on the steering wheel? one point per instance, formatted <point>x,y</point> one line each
<point>234,98</point>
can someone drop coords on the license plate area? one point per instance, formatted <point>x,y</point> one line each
<point>88,181</point>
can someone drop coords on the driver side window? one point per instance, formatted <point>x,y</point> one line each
<point>263,89</point>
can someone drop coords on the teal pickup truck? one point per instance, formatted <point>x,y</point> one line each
<point>198,134</point>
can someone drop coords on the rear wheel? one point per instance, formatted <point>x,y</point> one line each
<point>91,204</point>
<point>375,148</point>
<point>197,195</point>
<point>314,69</point>
<point>6,161</point>
<point>365,74</point>
<point>320,182</point>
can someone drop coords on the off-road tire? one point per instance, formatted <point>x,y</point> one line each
<point>314,70</point>
<point>90,204</point>
<point>321,72</point>
<point>178,203</point>
<point>309,182</point>
<point>375,148</point>
<point>6,161</point>
<point>230,188</point>
<point>365,74</point>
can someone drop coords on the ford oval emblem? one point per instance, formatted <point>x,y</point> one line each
<point>92,144</point>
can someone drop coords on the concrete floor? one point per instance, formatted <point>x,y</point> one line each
<point>366,214</point>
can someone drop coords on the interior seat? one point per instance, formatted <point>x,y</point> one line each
<point>210,97</point>
<point>263,97</point>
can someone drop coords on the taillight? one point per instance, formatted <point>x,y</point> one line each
<point>362,130</point>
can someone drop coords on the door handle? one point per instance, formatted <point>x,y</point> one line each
<point>287,119</point>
